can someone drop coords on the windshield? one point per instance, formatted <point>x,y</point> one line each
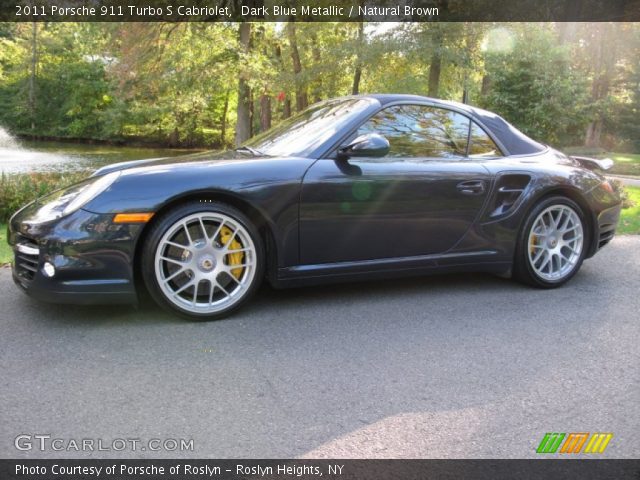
<point>300,134</point>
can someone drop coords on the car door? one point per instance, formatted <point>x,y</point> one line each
<point>419,199</point>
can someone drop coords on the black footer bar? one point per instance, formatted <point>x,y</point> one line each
<point>185,469</point>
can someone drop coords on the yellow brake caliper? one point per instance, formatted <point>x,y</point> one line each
<point>534,242</point>
<point>234,258</point>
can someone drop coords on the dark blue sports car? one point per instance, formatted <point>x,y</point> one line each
<point>353,188</point>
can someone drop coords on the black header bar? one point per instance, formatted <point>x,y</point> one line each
<point>319,10</point>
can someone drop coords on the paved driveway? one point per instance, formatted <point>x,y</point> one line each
<point>453,366</point>
<point>627,180</point>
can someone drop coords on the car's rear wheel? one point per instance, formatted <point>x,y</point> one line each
<point>552,243</point>
<point>203,260</point>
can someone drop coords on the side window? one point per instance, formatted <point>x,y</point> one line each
<point>419,131</point>
<point>481,145</point>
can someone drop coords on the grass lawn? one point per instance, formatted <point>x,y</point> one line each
<point>630,218</point>
<point>626,163</point>
<point>6,255</point>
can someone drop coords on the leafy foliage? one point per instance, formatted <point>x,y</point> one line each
<point>177,84</point>
<point>535,87</point>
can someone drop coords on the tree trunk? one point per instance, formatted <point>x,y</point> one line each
<point>605,60</point>
<point>223,123</point>
<point>486,85</point>
<point>434,75</point>
<point>174,138</point>
<point>265,112</point>
<point>243,126</point>
<point>357,74</point>
<point>283,96</point>
<point>594,131</point>
<point>317,59</point>
<point>33,73</point>
<point>301,93</point>
<point>435,66</point>
<point>286,111</point>
<point>356,81</point>
<point>465,93</point>
<point>252,109</point>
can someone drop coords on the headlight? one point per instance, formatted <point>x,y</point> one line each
<point>68,200</point>
<point>90,191</point>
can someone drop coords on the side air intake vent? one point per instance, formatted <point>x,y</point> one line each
<point>27,258</point>
<point>509,189</point>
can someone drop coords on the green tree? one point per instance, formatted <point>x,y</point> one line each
<point>535,87</point>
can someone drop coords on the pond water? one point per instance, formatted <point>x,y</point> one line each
<point>34,156</point>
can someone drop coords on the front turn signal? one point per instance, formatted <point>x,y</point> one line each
<point>132,217</point>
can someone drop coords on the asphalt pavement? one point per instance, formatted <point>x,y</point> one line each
<point>467,366</point>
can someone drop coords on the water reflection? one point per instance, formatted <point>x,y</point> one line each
<point>34,156</point>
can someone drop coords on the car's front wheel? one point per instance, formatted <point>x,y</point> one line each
<point>552,243</point>
<point>203,260</point>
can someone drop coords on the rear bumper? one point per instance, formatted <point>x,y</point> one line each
<point>607,224</point>
<point>605,228</point>
<point>92,259</point>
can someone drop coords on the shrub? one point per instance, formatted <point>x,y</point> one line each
<point>16,190</point>
<point>627,201</point>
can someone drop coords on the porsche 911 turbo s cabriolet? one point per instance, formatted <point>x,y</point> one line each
<point>354,188</point>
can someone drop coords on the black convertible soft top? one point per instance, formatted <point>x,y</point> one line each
<point>512,139</point>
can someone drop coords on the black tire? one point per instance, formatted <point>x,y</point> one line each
<point>167,221</point>
<point>523,270</point>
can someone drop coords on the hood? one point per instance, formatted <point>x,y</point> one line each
<point>209,156</point>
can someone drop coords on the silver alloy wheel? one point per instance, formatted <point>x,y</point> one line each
<point>205,262</point>
<point>555,242</point>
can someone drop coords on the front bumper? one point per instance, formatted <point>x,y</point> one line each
<point>92,258</point>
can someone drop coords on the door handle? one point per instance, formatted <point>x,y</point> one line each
<point>471,187</point>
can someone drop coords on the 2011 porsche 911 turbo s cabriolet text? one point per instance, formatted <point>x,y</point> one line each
<point>350,189</point>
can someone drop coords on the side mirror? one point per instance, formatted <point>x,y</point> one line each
<point>368,145</point>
